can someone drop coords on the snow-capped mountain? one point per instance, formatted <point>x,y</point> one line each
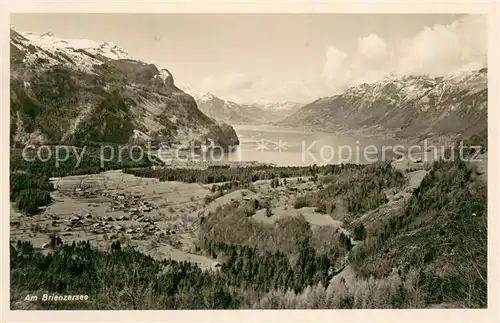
<point>235,113</point>
<point>405,107</point>
<point>76,91</point>
<point>83,53</point>
<point>284,107</point>
<point>227,111</point>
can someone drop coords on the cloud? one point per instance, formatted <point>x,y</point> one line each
<point>445,49</point>
<point>435,50</point>
<point>334,65</point>
<point>372,48</point>
<point>365,64</point>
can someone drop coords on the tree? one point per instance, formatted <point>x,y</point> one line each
<point>29,200</point>
<point>116,246</point>
<point>359,232</point>
<point>345,241</point>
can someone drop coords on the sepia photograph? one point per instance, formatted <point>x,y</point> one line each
<point>248,161</point>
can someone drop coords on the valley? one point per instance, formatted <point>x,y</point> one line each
<point>279,216</point>
<point>183,219</point>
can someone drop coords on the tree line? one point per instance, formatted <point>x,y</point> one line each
<point>239,174</point>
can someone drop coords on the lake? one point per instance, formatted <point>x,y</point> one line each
<point>292,147</point>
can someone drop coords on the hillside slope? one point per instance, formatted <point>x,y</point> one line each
<point>78,92</point>
<point>409,107</point>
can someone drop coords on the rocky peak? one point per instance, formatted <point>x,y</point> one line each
<point>80,91</point>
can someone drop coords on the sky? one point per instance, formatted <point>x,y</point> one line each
<point>278,57</point>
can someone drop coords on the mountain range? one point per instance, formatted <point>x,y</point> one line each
<point>411,107</point>
<point>237,113</point>
<point>80,91</point>
<point>76,91</point>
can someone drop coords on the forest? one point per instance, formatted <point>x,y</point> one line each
<point>167,284</point>
<point>239,174</point>
<point>430,251</point>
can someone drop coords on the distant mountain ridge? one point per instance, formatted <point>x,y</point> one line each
<point>407,107</point>
<point>80,91</point>
<point>234,113</point>
<point>287,107</point>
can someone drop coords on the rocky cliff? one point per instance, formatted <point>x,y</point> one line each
<point>82,92</point>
